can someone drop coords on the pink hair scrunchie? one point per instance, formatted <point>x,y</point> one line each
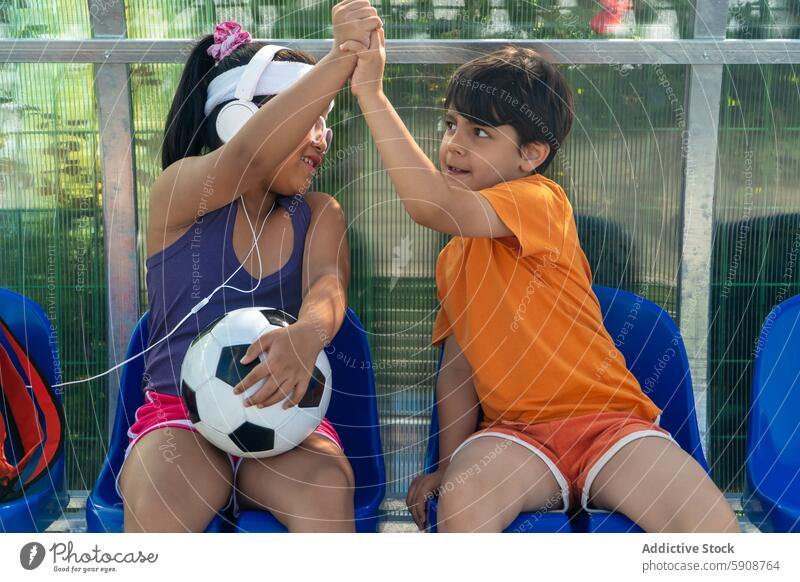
<point>228,36</point>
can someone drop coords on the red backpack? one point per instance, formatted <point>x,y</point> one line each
<point>31,420</point>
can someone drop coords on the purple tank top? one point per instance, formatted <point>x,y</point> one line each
<point>189,269</point>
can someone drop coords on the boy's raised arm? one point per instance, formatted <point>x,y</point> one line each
<point>427,195</point>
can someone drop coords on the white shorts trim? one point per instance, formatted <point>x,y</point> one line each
<point>613,450</point>
<point>560,479</point>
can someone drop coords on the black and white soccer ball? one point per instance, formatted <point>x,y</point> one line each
<point>211,369</point>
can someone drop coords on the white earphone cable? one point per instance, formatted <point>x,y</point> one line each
<point>203,302</point>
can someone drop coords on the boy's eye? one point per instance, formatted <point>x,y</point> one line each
<point>449,125</point>
<point>479,131</point>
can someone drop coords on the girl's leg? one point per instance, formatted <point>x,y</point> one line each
<point>308,489</point>
<point>660,487</point>
<point>174,481</point>
<point>489,482</point>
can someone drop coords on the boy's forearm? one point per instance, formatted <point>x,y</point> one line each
<point>458,407</point>
<point>421,186</point>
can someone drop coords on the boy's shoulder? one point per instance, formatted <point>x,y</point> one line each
<point>534,182</point>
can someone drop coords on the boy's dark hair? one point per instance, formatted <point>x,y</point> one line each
<point>518,87</point>
<point>188,132</point>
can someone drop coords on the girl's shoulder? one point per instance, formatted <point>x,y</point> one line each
<point>319,202</point>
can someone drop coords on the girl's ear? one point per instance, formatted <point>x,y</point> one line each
<point>533,155</point>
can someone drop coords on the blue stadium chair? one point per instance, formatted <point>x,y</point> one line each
<point>655,354</point>
<point>46,498</point>
<point>771,498</point>
<point>353,411</point>
<point>104,509</point>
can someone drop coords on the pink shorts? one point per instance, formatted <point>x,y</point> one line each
<point>167,410</point>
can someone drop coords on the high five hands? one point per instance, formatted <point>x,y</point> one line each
<point>359,31</point>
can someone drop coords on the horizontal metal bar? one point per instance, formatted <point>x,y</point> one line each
<point>610,52</point>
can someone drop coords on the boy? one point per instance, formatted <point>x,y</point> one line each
<point>564,421</point>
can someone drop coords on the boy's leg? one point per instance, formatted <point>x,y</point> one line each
<point>308,489</point>
<point>490,481</point>
<point>174,481</point>
<point>659,486</point>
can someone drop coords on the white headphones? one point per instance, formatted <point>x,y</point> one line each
<point>236,113</point>
<point>242,83</point>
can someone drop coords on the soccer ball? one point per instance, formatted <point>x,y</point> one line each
<point>210,371</point>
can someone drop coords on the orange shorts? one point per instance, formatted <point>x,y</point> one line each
<point>574,449</point>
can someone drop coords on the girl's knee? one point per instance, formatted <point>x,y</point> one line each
<point>331,486</point>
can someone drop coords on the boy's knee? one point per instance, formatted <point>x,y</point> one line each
<point>459,505</point>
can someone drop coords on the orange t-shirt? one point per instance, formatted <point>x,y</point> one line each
<point>523,312</point>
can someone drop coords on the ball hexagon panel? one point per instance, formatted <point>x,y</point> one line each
<point>229,369</point>
<point>316,388</point>
<point>251,438</point>
<point>190,398</point>
<point>277,317</point>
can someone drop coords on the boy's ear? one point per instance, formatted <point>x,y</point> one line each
<point>533,155</point>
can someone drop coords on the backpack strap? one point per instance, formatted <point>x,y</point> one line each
<point>38,420</point>
<point>22,412</point>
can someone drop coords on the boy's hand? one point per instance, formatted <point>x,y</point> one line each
<point>367,79</point>
<point>353,20</point>
<point>422,489</point>
<point>291,355</point>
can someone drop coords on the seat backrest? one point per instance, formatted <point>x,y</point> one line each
<point>131,395</point>
<point>773,427</point>
<point>28,322</point>
<point>654,352</point>
<point>353,408</point>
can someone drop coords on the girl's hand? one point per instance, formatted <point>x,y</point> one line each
<point>422,489</point>
<point>367,79</point>
<point>353,20</point>
<point>291,355</point>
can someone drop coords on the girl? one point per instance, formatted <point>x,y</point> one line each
<point>240,210</point>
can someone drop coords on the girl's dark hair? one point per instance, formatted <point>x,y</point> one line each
<point>188,132</point>
<point>517,87</point>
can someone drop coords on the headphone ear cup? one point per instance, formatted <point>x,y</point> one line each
<point>232,117</point>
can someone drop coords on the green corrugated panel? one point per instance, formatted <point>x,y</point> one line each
<point>759,19</point>
<point>45,19</point>
<point>422,19</point>
<point>757,243</point>
<point>51,216</point>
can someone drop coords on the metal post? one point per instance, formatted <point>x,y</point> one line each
<point>112,92</point>
<point>699,184</point>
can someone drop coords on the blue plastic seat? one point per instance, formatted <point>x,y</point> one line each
<point>655,354</point>
<point>771,498</point>
<point>45,499</point>
<point>353,411</point>
<point>104,508</point>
